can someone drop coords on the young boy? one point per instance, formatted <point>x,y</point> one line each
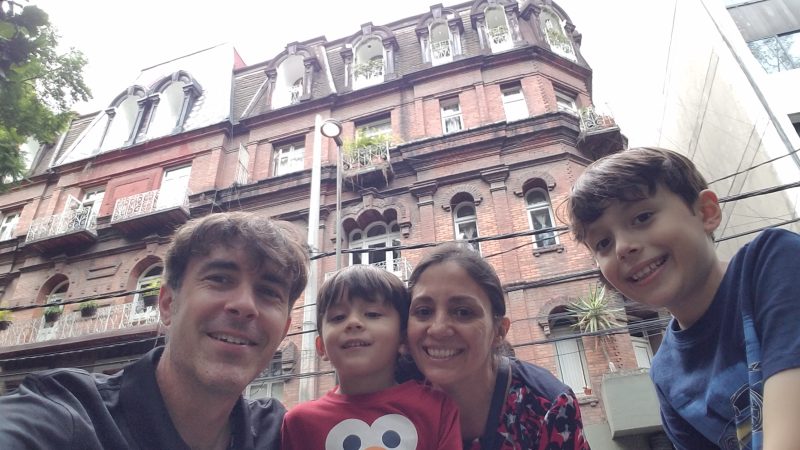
<point>362,313</point>
<point>731,354</point>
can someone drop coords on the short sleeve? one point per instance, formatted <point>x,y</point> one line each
<point>682,435</point>
<point>32,420</point>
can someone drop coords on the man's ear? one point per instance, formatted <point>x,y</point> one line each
<point>321,348</point>
<point>707,206</point>
<point>288,324</point>
<point>165,303</point>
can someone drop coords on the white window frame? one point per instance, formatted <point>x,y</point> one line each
<point>139,312</point>
<point>242,165</point>
<point>174,187</point>
<point>9,225</point>
<point>379,127</point>
<point>49,330</point>
<point>539,240</point>
<point>566,103</point>
<point>265,386</point>
<point>390,238</point>
<point>460,222</point>
<point>288,158</point>
<point>451,112</point>
<point>571,365</point>
<point>514,103</point>
<point>433,43</point>
<point>643,351</point>
<point>496,22</point>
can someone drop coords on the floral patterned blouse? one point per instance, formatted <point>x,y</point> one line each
<point>531,419</point>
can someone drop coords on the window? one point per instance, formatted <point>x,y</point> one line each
<point>121,129</point>
<point>174,187</point>
<point>266,384</point>
<point>497,29</point>
<point>441,44</point>
<point>288,158</point>
<point>570,358</point>
<point>556,36</point>
<point>368,67</point>
<point>167,111</point>
<point>451,116</point>
<point>566,103</point>
<point>374,237</point>
<point>92,200</point>
<point>49,329</point>
<point>380,127</point>
<point>540,216</point>
<point>778,53</point>
<point>643,352</point>
<point>243,160</point>
<point>8,226</point>
<point>514,102</point>
<point>145,303</point>
<point>465,222</point>
<point>289,88</point>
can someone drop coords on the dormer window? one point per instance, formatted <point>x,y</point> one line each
<point>553,28</point>
<point>368,67</point>
<point>168,110</point>
<point>497,30</point>
<point>441,44</point>
<point>123,119</point>
<point>289,82</point>
<point>296,91</point>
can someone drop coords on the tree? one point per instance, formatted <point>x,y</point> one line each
<point>594,315</point>
<point>38,86</point>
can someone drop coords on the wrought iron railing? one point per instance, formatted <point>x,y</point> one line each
<point>148,202</point>
<point>368,70</point>
<point>73,220</point>
<point>400,267</point>
<point>366,156</point>
<point>499,35</point>
<point>441,50</point>
<point>592,120</point>
<point>72,324</point>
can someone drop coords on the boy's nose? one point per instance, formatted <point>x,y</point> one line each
<point>626,247</point>
<point>353,322</point>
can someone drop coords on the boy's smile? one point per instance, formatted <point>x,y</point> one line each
<point>658,251</point>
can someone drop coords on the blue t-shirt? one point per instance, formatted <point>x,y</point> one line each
<point>701,373</point>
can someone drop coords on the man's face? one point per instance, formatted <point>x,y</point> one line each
<point>225,321</point>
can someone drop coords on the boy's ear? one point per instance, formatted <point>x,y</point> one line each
<point>321,348</point>
<point>709,210</point>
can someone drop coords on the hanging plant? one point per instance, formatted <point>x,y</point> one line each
<point>52,313</point>
<point>88,309</point>
<point>5,319</point>
<point>593,315</point>
<point>150,292</point>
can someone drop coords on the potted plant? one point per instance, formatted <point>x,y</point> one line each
<point>366,150</point>
<point>5,319</point>
<point>594,315</point>
<point>52,313</point>
<point>150,292</point>
<point>88,309</point>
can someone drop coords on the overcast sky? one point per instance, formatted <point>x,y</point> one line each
<point>122,38</point>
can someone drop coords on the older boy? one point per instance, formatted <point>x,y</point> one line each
<point>731,354</point>
<point>231,280</point>
<point>362,313</point>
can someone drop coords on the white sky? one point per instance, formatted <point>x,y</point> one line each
<point>121,38</point>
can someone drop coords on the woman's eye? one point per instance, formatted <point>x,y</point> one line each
<point>642,218</point>
<point>602,244</point>
<point>421,313</point>
<point>463,313</point>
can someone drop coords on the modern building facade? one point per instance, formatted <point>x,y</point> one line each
<point>467,122</point>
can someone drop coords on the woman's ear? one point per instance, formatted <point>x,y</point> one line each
<point>707,207</point>
<point>502,330</point>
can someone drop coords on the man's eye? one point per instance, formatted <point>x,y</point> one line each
<point>219,279</point>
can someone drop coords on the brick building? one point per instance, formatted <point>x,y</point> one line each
<point>465,122</point>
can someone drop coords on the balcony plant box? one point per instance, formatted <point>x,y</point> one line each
<point>5,320</point>
<point>150,292</point>
<point>88,309</point>
<point>52,313</point>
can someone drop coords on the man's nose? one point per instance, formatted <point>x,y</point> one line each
<point>242,304</point>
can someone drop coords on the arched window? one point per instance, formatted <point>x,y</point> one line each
<point>441,44</point>
<point>123,121</point>
<point>375,236</point>
<point>49,327</point>
<point>540,216</point>
<point>571,365</point>
<point>168,110</point>
<point>144,309</point>
<point>497,29</point>
<point>368,65</point>
<point>553,28</point>
<point>289,82</point>
<point>465,222</point>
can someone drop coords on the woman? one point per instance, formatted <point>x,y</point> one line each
<point>456,327</point>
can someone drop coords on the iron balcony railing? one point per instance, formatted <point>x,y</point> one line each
<point>400,267</point>
<point>592,120</point>
<point>148,202</point>
<point>441,50</point>
<point>366,156</point>
<point>499,35</point>
<point>72,324</point>
<point>67,222</point>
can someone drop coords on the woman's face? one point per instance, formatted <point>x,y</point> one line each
<point>451,328</point>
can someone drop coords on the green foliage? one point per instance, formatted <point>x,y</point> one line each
<point>151,288</point>
<point>363,142</point>
<point>593,313</point>
<point>5,316</point>
<point>91,304</point>
<point>53,310</point>
<point>38,86</point>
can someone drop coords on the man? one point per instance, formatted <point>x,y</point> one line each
<point>231,280</point>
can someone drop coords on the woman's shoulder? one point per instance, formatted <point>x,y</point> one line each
<point>537,379</point>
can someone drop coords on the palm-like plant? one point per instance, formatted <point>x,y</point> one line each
<point>594,315</point>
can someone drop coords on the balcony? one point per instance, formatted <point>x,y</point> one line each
<point>499,38</point>
<point>400,267</point>
<point>150,211</point>
<point>366,162</point>
<point>75,227</point>
<point>600,135</point>
<point>441,52</point>
<point>631,403</point>
<point>72,324</point>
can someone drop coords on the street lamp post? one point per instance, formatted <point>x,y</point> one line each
<point>332,128</point>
